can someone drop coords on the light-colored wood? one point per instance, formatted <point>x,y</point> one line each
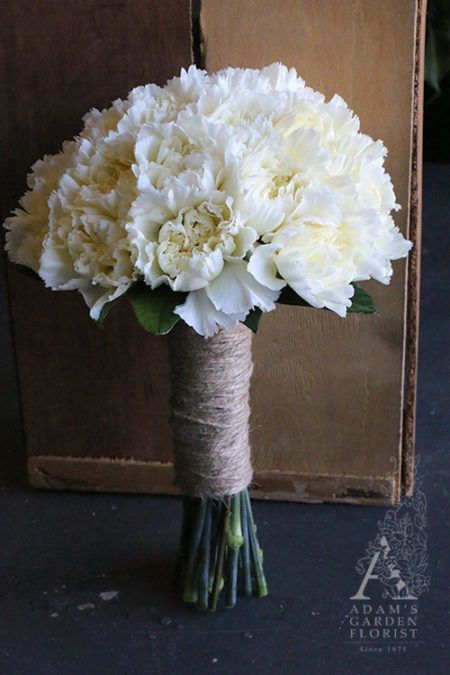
<point>328,393</point>
<point>103,474</point>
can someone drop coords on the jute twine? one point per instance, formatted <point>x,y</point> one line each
<point>210,410</point>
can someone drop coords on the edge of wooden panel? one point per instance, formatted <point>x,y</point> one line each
<point>128,475</point>
<point>413,270</point>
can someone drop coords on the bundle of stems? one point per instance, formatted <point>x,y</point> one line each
<point>219,551</point>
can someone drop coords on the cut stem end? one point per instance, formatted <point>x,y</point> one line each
<point>219,551</point>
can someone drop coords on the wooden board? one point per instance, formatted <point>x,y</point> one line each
<point>327,394</point>
<point>84,392</point>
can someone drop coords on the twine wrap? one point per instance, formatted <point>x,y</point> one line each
<point>210,410</point>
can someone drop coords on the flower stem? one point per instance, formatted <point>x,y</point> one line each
<point>197,519</point>
<point>219,550</point>
<point>234,543</point>
<point>246,567</point>
<point>218,579</point>
<point>255,551</point>
<point>203,583</point>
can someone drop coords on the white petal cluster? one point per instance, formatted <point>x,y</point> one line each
<point>224,187</point>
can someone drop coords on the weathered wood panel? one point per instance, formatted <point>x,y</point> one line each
<point>114,475</point>
<point>84,392</point>
<point>327,393</point>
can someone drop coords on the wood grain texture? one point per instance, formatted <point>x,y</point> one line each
<point>84,391</point>
<point>412,316</point>
<point>327,393</point>
<point>112,475</point>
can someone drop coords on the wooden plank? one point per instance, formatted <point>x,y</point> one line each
<point>114,475</point>
<point>328,394</point>
<point>327,408</point>
<point>83,391</point>
<point>412,317</point>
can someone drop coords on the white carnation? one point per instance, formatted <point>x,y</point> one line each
<point>224,187</point>
<point>184,236</point>
<point>27,228</point>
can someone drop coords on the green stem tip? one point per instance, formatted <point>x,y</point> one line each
<point>219,551</point>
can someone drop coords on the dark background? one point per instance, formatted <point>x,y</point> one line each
<point>61,550</point>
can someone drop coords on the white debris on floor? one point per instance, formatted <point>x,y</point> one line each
<point>108,595</point>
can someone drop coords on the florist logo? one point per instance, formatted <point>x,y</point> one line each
<point>384,613</point>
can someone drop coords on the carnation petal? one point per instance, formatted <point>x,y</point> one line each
<point>236,291</point>
<point>263,267</point>
<point>96,297</point>
<point>200,314</point>
<point>266,216</point>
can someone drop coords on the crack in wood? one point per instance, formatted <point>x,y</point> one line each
<point>197,36</point>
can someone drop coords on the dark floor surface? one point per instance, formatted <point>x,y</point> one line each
<point>61,551</point>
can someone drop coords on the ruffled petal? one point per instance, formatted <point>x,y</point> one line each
<point>236,291</point>
<point>96,297</point>
<point>200,314</point>
<point>263,267</point>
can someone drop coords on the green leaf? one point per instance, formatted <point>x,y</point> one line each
<point>289,297</point>
<point>154,309</point>
<point>362,302</point>
<point>252,319</point>
<point>106,310</point>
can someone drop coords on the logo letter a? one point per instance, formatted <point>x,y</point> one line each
<point>368,575</point>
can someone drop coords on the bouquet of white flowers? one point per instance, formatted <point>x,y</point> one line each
<point>205,202</point>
